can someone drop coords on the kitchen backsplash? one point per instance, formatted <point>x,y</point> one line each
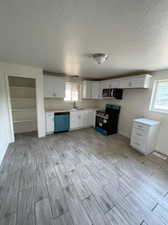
<point>54,103</point>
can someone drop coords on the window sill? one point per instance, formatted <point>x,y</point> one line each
<point>158,111</point>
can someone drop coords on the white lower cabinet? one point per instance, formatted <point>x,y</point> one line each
<point>78,119</point>
<point>144,133</point>
<point>81,119</point>
<point>49,122</point>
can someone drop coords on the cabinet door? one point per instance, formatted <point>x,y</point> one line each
<point>93,122</point>
<point>59,87</point>
<point>125,83</point>
<point>95,89</point>
<point>87,89</point>
<point>54,87</point>
<point>115,83</point>
<point>103,85</point>
<point>48,87</point>
<point>90,118</point>
<point>73,120</point>
<point>139,83</point>
<point>49,122</point>
<point>136,82</point>
<point>84,118</point>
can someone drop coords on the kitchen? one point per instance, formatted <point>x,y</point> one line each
<point>83,115</point>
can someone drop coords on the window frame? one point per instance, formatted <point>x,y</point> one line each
<point>153,97</point>
<point>71,100</point>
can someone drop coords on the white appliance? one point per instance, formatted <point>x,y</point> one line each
<point>144,134</point>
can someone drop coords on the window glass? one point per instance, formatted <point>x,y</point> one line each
<point>160,96</point>
<point>71,91</point>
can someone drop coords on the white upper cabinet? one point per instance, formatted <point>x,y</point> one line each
<point>114,83</point>
<point>91,89</point>
<point>54,87</point>
<point>87,89</point>
<point>96,89</point>
<point>141,81</point>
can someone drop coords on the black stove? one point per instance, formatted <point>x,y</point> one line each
<point>107,121</point>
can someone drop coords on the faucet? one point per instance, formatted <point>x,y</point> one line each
<point>74,105</point>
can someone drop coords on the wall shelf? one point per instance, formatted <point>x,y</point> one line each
<point>23,110</point>
<point>23,121</point>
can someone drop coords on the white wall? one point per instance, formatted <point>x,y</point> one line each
<point>4,118</point>
<point>135,104</point>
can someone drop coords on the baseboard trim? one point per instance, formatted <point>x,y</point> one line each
<point>3,152</point>
<point>123,133</point>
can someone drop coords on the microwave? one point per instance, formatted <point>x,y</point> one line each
<point>112,93</point>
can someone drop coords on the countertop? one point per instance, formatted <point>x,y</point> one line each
<point>68,110</point>
<point>147,121</point>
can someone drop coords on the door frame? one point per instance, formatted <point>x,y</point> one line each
<point>39,103</point>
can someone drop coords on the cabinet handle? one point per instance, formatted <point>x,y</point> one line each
<point>130,84</point>
<point>140,126</point>
<point>137,143</point>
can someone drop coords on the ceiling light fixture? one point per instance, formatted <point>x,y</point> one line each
<point>100,57</point>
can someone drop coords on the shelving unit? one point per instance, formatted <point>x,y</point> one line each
<point>23,101</point>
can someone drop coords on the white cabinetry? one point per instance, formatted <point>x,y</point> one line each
<point>114,83</point>
<point>49,122</point>
<point>81,118</point>
<point>75,120</point>
<point>54,87</point>
<point>144,133</point>
<point>91,89</point>
<point>96,90</point>
<point>87,89</point>
<point>141,81</point>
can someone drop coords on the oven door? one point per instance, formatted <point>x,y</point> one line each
<point>101,122</point>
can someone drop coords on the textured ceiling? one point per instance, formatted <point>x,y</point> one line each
<point>57,35</point>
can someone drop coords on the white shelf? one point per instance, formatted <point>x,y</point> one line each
<point>23,110</point>
<point>22,87</point>
<point>33,98</point>
<point>23,121</point>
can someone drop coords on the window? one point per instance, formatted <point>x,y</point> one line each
<point>71,91</point>
<point>159,101</point>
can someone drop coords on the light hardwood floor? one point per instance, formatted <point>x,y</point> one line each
<point>81,178</point>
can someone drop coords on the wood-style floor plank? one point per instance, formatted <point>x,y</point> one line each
<point>81,177</point>
<point>43,212</point>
